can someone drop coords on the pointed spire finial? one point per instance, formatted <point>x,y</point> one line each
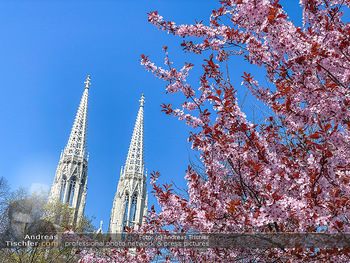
<point>142,100</point>
<point>87,82</point>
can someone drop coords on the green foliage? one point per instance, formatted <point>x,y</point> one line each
<point>61,215</point>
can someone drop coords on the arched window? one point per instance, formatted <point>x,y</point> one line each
<point>133,209</point>
<point>63,187</point>
<point>71,190</point>
<point>126,201</point>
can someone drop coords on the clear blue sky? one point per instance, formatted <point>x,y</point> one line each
<point>47,50</point>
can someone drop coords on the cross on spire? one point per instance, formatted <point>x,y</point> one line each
<point>87,82</point>
<point>142,100</point>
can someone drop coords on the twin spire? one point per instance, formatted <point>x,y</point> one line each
<point>70,183</point>
<point>78,137</point>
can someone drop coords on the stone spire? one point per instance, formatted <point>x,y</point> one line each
<point>130,201</point>
<point>70,183</point>
<point>135,161</point>
<point>77,140</point>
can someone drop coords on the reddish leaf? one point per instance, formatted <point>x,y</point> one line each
<point>316,135</point>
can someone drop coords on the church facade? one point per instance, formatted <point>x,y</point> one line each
<point>70,182</point>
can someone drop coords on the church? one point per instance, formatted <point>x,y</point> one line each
<point>70,183</point>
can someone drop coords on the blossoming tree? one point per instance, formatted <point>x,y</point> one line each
<point>289,174</point>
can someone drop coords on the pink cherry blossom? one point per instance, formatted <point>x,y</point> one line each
<point>289,174</point>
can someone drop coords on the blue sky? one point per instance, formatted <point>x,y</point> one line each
<point>47,50</point>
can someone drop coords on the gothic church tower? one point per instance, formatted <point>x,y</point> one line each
<point>69,185</point>
<point>130,201</point>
